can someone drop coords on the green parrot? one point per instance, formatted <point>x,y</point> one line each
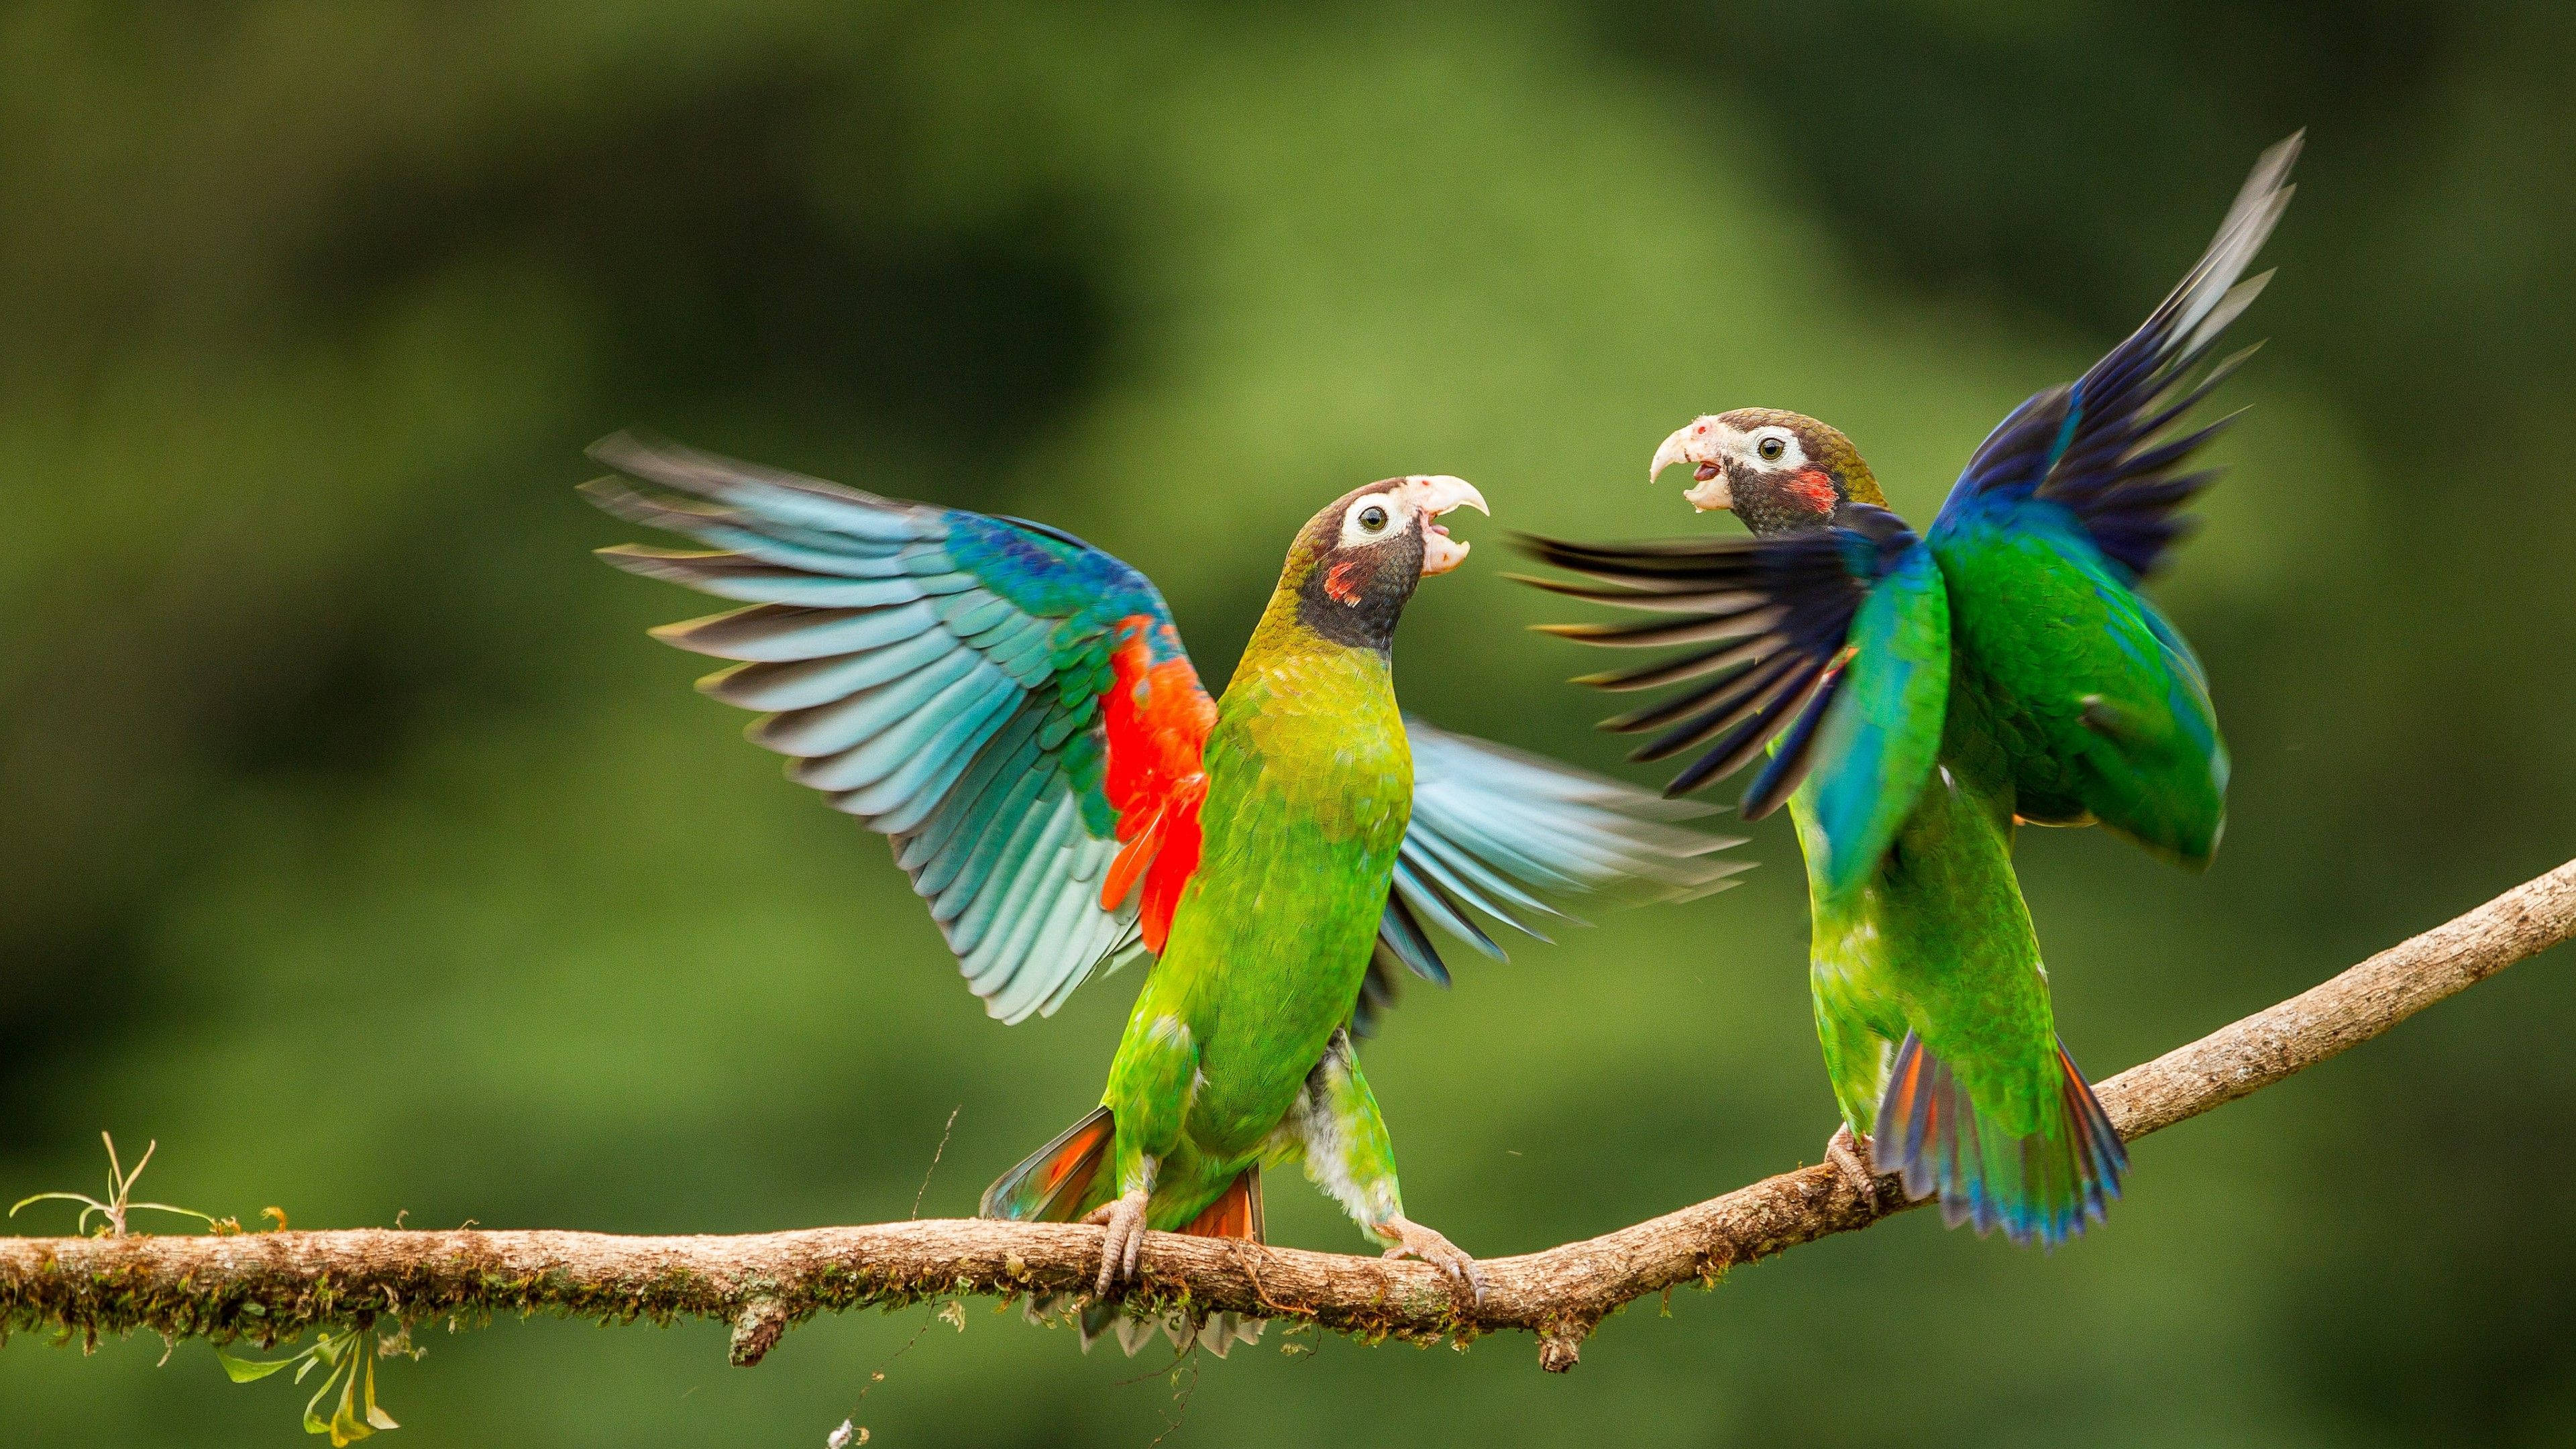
<point>1920,698</point>
<point>1014,709</point>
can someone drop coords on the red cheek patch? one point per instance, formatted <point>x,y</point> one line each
<point>1813,487</point>
<point>1337,581</point>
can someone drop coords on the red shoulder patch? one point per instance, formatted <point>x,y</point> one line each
<point>1156,718</point>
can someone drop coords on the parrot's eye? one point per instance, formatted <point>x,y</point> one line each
<point>1371,520</point>
<point>1771,449</point>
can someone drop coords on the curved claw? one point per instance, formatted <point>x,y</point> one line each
<point>1850,1155</point>
<point>1124,1241</point>
<point>1413,1240</point>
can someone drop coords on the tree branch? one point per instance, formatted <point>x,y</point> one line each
<point>269,1286</point>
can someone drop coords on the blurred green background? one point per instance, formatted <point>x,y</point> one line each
<point>356,845</point>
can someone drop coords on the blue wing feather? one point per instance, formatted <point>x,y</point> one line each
<point>1496,831</point>
<point>2080,490</point>
<point>1403,934</point>
<point>934,671</point>
<point>2095,447</point>
<point>1779,611</point>
<point>1457,852</point>
<point>1418,881</point>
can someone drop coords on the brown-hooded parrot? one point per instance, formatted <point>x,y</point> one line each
<point>1920,697</point>
<point>1013,708</point>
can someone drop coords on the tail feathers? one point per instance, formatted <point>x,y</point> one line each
<point>1099,1318</point>
<point>1071,1161</point>
<point>1236,1214</point>
<point>1218,1333</point>
<point>1050,1186</point>
<point>2100,1158</point>
<point>2045,1187</point>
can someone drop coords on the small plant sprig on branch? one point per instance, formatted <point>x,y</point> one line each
<point>349,1355</point>
<point>120,1195</point>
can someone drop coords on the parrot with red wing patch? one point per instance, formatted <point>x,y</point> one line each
<point>1013,708</point>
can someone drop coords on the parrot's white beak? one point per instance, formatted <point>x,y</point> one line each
<point>1435,494</point>
<point>1696,443</point>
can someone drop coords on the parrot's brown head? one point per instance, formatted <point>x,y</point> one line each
<point>1778,471</point>
<point>1355,564</point>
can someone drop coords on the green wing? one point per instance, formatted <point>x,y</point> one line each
<point>2073,499</point>
<point>2102,711</point>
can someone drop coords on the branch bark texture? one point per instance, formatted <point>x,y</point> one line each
<point>269,1286</point>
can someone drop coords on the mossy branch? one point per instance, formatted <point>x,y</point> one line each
<point>269,1286</point>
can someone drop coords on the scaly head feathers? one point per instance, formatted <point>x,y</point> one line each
<point>1779,471</point>
<point>1355,564</point>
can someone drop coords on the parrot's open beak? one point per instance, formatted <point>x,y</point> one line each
<point>1436,494</point>
<point>1690,443</point>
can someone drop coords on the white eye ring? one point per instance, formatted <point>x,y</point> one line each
<point>1371,519</point>
<point>1775,446</point>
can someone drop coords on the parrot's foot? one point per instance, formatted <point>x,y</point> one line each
<point>1119,1247</point>
<point>1413,1240</point>
<point>1850,1155</point>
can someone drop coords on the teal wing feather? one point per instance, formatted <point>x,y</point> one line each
<point>1829,647</point>
<point>1878,739</point>
<point>1507,836</point>
<point>937,673</point>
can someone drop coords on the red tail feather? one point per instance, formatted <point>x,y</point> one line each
<point>2044,1186</point>
<point>1051,1185</point>
<point>1237,1214</point>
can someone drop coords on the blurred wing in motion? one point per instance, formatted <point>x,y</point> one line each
<point>1503,834</point>
<point>1010,705</point>
<point>1832,648</point>
<point>2096,447</point>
